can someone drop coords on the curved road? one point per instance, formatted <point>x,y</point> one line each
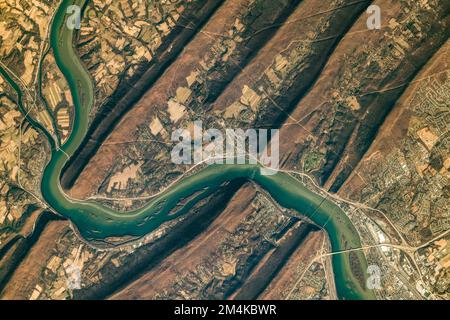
<point>95,221</point>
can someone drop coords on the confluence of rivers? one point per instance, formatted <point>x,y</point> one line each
<point>95,221</point>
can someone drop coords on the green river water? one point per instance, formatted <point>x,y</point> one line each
<point>95,221</point>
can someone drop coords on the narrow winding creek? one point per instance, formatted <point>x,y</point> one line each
<point>95,221</point>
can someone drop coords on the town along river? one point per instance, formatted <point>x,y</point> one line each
<point>95,221</point>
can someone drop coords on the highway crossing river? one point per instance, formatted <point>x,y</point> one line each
<point>95,221</point>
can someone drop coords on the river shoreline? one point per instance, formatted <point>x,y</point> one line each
<point>95,221</point>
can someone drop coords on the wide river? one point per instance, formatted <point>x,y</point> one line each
<point>95,221</point>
